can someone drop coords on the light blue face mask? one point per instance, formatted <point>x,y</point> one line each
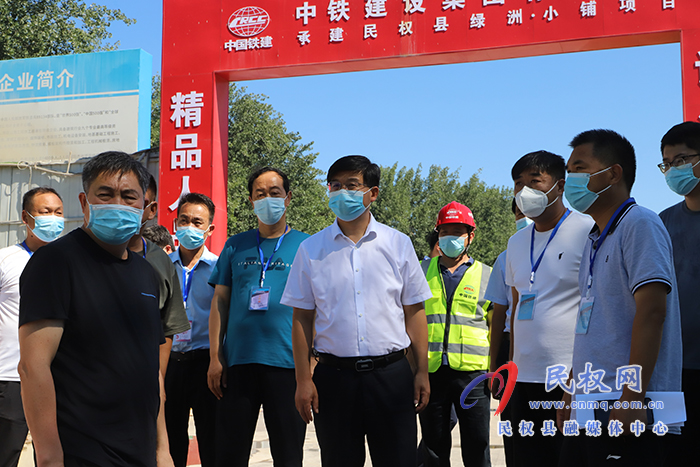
<point>190,237</point>
<point>681,179</point>
<point>47,228</point>
<point>269,210</point>
<point>577,193</point>
<point>114,224</point>
<point>520,224</point>
<point>347,205</point>
<point>451,245</point>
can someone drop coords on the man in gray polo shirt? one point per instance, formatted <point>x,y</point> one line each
<point>629,312</point>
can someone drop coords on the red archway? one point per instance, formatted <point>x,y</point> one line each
<point>208,44</point>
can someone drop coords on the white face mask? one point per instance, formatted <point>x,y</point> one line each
<point>533,202</point>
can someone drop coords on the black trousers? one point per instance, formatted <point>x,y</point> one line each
<point>446,387</point>
<point>685,449</point>
<point>537,450</point>
<point>249,387</point>
<point>186,388</point>
<point>378,404</point>
<point>622,451</point>
<point>13,426</point>
<point>501,359</point>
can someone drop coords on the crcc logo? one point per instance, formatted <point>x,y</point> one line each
<point>248,21</point>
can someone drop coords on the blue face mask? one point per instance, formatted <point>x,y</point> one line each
<point>47,228</point>
<point>190,237</point>
<point>347,205</point>
<point>577,193</point>
<point>520,224</point>
<point>451,245</point>
<point>681,179</point>
<point>269,210</point>
<point>114,224</point>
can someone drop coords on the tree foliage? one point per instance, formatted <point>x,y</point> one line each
<point>155,111</point>
<point>258,137</point>
<point>410,203</point>
<point>38,28</point>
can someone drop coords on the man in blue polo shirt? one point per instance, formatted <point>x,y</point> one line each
<point>250,332</point>
<point>186,379</point>
<point>628,314</point>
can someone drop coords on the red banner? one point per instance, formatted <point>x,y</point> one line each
<point>207,44</point>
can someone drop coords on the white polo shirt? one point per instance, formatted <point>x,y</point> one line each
<point>358,290</point>
<point>548,338</point>
<point>13,259</point>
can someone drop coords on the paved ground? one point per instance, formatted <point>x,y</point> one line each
<point>261,450</point>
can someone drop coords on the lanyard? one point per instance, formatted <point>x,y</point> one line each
<point>598,243</point>
<point>145,248</point>
<point>24,244</point>
<point>264,264</point>
<point>187,282</point>
<point>536,265</point>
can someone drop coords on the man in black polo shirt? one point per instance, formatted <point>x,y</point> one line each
<point>90,330</point>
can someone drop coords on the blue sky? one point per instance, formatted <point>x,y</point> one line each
<point>474,116</point>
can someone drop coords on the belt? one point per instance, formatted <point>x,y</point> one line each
<point>360,364</point>
<point>190,355</point>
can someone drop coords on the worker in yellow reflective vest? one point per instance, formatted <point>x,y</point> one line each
<point>458,342</point>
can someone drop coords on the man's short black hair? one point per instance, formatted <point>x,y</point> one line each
<point>254,176</point>
<point>28,197</point>
<point>543,161</point>
<point>432,239</point>
<point>198,198</point>
<point>610,148</point>
<point>356,164</point>
<point>159,235</point>
<point>114,162</point>
<point>687,133</point>
<point>152,186</point>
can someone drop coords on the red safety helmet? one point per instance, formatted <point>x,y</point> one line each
<point>455,213</point>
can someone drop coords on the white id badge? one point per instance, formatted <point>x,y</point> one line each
<point>584,315</point>
<point>185,336</point>
<point>527,306</point>
<point>259,298</point>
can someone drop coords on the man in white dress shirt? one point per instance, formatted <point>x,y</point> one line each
<point>359,286</point>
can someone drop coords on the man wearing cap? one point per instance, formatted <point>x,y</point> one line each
<point>458,342</point>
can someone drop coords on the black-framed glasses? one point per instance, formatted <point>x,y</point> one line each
<point>352,186</point>
<point>677,162</point>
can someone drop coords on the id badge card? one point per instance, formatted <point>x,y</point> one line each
<point>183,337</point>
<point>526,311</point>
<point>259,298</point>
<point>584,315</point>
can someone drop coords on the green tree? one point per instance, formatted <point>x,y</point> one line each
<point>258,137</point>
<point>155,111</point>
<point>38,28</point>
<point>410,203</point>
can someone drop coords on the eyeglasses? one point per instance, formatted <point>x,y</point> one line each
<point>352,186</point>
<point>677,162</point>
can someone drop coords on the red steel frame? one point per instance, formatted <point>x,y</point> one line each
<point>201,55</point>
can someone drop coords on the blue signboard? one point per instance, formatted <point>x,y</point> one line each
<point>51,81</point>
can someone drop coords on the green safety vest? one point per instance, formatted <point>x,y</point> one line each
<point>468,339</point>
